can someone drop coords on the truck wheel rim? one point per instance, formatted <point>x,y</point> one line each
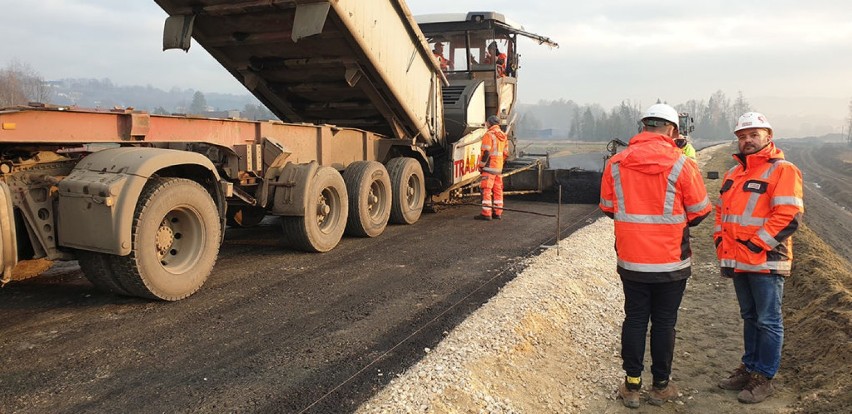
<point>374,200</point>
<point>179,240</point>
<point>327,214</point>
<point>412,193</point>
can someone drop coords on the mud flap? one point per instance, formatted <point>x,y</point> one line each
<point>291,189</point>
<point>8,238</point>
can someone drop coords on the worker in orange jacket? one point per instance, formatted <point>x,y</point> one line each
<point>760,206</point>
<point>445,63</point>
<point>495,149</point>
<point>497,58</point>
<point>654,193</point>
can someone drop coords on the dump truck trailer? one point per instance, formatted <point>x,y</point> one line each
<point>142,200</point>
<point>350,63</point>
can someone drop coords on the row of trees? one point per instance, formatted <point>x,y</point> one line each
<point>714,118</point>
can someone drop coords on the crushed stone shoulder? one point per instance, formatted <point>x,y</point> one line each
<point>496,359</point>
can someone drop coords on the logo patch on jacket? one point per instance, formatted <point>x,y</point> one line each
<point>754,186</point>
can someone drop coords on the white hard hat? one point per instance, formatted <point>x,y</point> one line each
<point>752,120</point>
<point>662,111</point>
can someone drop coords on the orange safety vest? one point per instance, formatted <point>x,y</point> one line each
<point>500,61</point>
<point>760,206</point>
<point>495,149</point>
<point>444,63</point>
<point>654,193</point>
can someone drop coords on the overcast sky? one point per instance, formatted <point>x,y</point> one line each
<point>791,59</point>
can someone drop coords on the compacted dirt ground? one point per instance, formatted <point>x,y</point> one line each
<point>548,343</point>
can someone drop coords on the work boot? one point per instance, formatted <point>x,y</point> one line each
<point>758,389</point>
<point>628,391</point>
<point>496,217</point>
<point>481,217</point>
<point>662,392</point>
<point>737,380</point>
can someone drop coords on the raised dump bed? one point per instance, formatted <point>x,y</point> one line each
<point>351,63</point>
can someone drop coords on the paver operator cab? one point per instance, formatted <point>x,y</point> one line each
<point>482,51</point>
<point>372,129</point>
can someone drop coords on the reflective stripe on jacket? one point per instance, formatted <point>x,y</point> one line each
<point>759,208</point>
<point>495,149</point>
<point>654,193</point>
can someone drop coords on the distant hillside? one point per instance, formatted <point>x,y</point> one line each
<point>822,138</point>
<point>94,93</point>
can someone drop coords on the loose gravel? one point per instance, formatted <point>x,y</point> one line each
<point>510,356</point>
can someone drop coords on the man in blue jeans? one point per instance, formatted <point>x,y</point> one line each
<point>760,206</point>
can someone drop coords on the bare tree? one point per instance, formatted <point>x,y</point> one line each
<point>11,88</point>
<point>849,126</point>
<point>20,83</point>
<point>740,107</point>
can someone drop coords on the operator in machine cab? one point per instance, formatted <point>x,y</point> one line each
<point>438,51</point>
<point>495,150</point>
<point>495,57</point>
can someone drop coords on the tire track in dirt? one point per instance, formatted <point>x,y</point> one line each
<point>828,193</point>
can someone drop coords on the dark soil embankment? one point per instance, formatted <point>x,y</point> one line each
<point>818,314</point>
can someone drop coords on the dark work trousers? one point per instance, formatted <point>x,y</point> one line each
<point>657,302</point>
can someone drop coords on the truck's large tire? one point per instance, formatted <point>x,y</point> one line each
<point>244,216</point>
<point>175,241</point>
<point>322,226</point>
<point>408,189</point>
<point>369,189</point>
<point>97,268</point>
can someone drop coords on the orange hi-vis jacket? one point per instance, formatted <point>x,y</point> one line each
<point>495,150</point>
<point>654,193</point>
<point>760,206</point>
